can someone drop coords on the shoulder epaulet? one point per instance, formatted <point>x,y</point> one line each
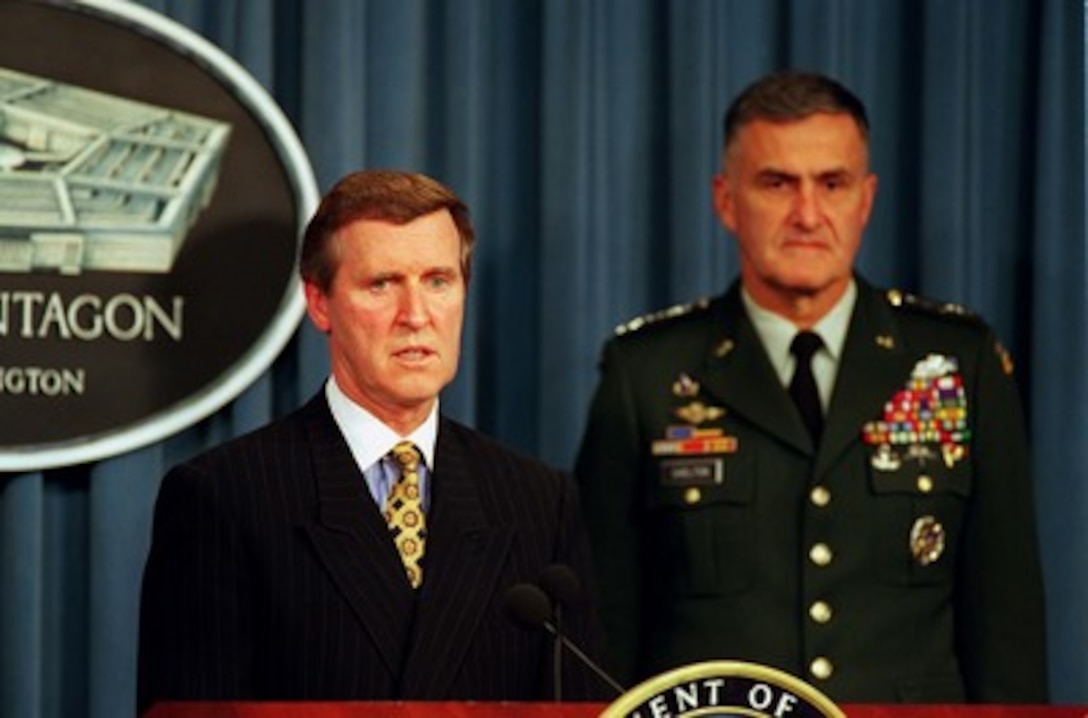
<point>897,298</point>
<point>677,310</point>
<point>905,300</point>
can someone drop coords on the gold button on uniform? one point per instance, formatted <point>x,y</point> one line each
<point>692,495</point>
<point>820,554</point>
<point>925,484</point>
<point>820,612</point>
<point>821,668</point>
<point>819,496</point>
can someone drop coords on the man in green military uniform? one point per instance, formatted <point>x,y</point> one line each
<point>857,511</point>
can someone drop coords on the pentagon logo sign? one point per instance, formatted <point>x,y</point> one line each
<point>725,689</point>
<point>151,200</point>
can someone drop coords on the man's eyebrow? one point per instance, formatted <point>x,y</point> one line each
<point>776,173</point>
<point>385,275</point>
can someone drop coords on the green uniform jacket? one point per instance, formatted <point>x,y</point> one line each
<point>880,566</point>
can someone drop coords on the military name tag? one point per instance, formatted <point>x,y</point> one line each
<point>706,471</point>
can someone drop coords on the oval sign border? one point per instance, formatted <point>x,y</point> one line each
<point>260,356</point>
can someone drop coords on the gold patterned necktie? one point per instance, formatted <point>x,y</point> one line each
<point>404,511</point>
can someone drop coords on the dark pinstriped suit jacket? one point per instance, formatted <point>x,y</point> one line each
<point>272,575</point>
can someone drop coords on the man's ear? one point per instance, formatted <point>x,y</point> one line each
<point>723,201</point>
<point>317,306</point>
<point>870,194</point>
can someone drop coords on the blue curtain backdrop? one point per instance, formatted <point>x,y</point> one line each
<point>584,134</point>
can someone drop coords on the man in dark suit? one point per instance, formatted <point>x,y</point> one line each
<point>854,507</point>
<point>362,547</point>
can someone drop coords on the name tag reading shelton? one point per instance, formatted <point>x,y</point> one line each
<point>706,471</point>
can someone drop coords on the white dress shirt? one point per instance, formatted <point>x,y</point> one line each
<point>370,442</point>
<point>777,332</point>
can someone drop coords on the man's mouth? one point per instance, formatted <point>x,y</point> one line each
<point>414,353</point>
<point>806,246</point>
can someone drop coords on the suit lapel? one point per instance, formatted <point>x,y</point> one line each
<point>874,366</point>
<point>739,374</point>
<point>465,558</point>
<point>352,540</point>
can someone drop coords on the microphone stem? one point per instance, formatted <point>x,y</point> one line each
<point>557,656</point>
<point>586,660</point>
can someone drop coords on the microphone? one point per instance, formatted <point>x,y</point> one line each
<point>527,605</point>
<point>561,585</point>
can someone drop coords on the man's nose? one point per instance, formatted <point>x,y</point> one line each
<point>807,207</point>
<point>413,306</point>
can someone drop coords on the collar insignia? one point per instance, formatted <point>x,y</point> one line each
<point>685,386</point>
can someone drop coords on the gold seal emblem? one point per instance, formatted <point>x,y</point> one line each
<point>723,688</point>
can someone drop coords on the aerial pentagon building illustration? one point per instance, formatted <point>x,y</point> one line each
<point>94,182</point>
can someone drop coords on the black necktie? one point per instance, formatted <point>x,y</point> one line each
<point>803,385</point>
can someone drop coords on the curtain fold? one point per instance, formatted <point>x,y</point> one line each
<point>1055,341</point>
<point>584,134</point>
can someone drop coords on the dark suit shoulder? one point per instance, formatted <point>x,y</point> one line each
<point>511,488</point>
<point>244,448</point>
<point>281,429</point>
<point>277,449</point>
<point>482,445</point>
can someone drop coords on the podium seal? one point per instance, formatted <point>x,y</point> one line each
<point>723,689</point>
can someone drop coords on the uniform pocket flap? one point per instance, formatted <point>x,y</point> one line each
<point>702,480</point>
<point>922,479</point>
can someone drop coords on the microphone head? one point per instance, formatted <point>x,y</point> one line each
<point>561,584</point>
<point>526,605</point>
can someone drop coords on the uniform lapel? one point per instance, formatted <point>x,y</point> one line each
<point>875,364</point>
<point>739,374</point>
<point>353,542</point>
<point>465,557</point>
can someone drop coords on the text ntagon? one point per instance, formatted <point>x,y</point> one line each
<point>88,317</point>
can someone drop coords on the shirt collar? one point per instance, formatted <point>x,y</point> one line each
<point>776,332</point>
<point>368,438</point>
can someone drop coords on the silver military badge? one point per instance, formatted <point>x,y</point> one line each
<point>927,538</point>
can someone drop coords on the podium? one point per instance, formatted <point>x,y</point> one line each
<point>711,688</point>
<point>557,710</point>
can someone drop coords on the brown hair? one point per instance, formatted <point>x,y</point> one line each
<point>385,195</point>
<point>792,95</point>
